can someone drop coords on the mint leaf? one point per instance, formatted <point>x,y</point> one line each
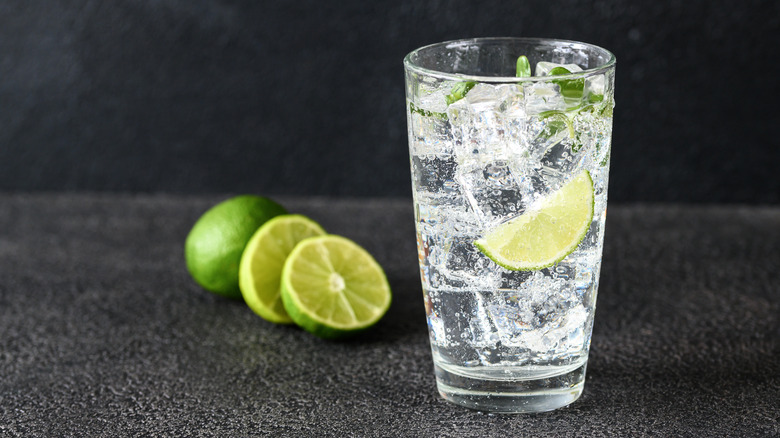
<point>595,98</point>
<point>557,71</point>
<point>459,91</point>
<point>570,88</point>
<point>558,122</point>
<point>523,67</point>
<point>425,113</point>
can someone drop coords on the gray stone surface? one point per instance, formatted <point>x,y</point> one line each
<point>103,333</point>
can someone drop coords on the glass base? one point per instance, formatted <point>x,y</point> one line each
<point>511,396</point>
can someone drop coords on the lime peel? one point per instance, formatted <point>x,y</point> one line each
<point>547,234</point>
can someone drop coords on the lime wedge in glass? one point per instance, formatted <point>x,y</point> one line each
<point>546,234</point>
<point>260,270</point>
<point>333,288</point>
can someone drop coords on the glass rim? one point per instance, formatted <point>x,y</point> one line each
<point>410,65</point>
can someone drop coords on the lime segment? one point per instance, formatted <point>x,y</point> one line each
<point>259,275</point>
<point>546,234</point>
<point>333,288</point>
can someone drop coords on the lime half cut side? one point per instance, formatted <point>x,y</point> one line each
<point>333,288</point>
<point>260,271</point>
<point>545,235</point>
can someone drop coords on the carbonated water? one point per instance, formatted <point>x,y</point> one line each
<point>478,162</point>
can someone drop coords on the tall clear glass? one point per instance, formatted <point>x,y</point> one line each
<point>500,156</point>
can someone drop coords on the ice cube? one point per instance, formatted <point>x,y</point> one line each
<point>543,67</point>
<point>428,125</point>
<point>429,134</point>
<point>483,95</point>
<point>570,89</point>
<point>544,132</point>
<point>474,122</point>
<point>593,136</point>
<point>549,147</point>
<point>542,315</point>
<point>446,228</point>
<point>459,318</point>
<point>436,331</point>
<point>432,240</point>
<point>434,173</point>
<point>526,309</point>
<point>559,163</point>
<point>512,316</point>
<point>512,116</point>
<point>434,101</point>
<point>559,148</point>
<point>543,96</point>
<point>440,279</point>
<point>466,263</point>
<point>481,333</point>
<point>491,190</point>
<point>595,85</point>
<point>513,280</point>
<point>561,335</point>
<point>511,100</point>
<point>439,216</point>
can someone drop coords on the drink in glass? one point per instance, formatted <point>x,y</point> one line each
<point>509,176</point>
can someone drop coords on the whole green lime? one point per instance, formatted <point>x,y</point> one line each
<point>214,246</point>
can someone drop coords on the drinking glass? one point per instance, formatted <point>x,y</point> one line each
<point>509,174</point>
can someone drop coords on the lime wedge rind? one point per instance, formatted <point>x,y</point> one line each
<point>259,278</point>
<point>576,197</point>
<point>322,312</point>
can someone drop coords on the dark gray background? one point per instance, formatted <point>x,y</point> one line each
<point>306,97</point>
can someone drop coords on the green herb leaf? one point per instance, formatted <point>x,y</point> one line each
<point>559,121</point>
<point>595,98</point>
<point>570,88</point>
<point>557,71</point>
<point>425,113</point>
<point>605,160</point>
<point>523,67</point>
<point>459,91</point>
<point>606,110</point>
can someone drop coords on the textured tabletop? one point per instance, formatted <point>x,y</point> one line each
<point>103,333</point>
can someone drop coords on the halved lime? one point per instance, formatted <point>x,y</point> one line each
<point>260,271</point>
<point>547,234</point>
<point>333,288</point>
